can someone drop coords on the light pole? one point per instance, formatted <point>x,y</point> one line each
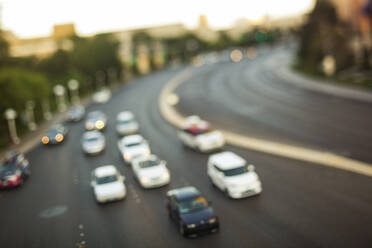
<point>59,91</point>
<point>30,105</point>
<point>73,86</point>
<point>46,110</point>
<point>10,115</point>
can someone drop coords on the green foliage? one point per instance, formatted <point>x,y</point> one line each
<point>17,86</point>
<point>97,53</point>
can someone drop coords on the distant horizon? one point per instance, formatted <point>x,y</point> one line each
<point>87,24</point>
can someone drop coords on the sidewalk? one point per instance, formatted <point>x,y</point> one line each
<point>281,63</point>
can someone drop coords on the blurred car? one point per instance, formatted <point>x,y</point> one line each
<point>133,146</point>
<point>96,120</point>
<point>102,95</point>
<point>108,184</point>
<point>150,171</point>
<point>76,113</point>
<point>231,174</point>
<point>56,135</point>
<point>191,211</point>
<point>199,135</point>
<point>93,142</point>
<point>14,170</point>
<point>125,123</point>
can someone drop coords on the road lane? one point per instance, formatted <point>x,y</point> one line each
<point>251,92</point>
<point>301,205</point>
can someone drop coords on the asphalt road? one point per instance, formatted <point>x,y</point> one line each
<point>302,204</point>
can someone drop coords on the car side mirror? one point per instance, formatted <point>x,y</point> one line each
<point>93,183</point>
<point>251,167</point>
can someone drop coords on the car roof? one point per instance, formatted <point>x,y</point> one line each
<point>184,193</point>
<point>152,157</point>
<point>95,113</point>
<point>125,115</point>
<point>132,139</point>
<point>105,170</point>
<point>92,134</point>
<point>227,160</point>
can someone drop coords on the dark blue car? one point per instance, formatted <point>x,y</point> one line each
<point>191,211</point>
<point>13,171</point>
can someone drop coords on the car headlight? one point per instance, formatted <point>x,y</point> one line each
<point>100,124</point>
<point>166,175</point>
<point>59,137</point>
<point>45,140</point>
<point>191,226</point>
<point>126,156</point>
<point>89,126</point>
<point>212,220</point>
<point>144,180</point>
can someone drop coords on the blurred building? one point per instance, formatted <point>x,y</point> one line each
<point>42,46</point>
<point>142,54</point>
<point>204,31</point>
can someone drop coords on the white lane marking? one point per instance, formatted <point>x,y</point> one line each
<point>279,149</point>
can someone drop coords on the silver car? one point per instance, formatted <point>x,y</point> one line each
<point>126,124</point>
<point>93,142</point>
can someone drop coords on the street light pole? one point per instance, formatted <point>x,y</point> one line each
<point>59,91</point>
<point>73,86</point>
<point>10,115</point>
<point>30,105</point>
<point>46,110</point>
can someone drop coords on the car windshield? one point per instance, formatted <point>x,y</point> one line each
<point>7,167</point>
<point>236,171</point>
<point>133,144</point>
<point>106,179</point>
<point>92,139</point>
<point>148,163</point>
<point>192,205</point>
<point>124,122</point>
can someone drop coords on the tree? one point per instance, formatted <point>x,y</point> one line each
<point>324,34</point>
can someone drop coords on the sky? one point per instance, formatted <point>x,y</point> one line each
<point>33,18</point>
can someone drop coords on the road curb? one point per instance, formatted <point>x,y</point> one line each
<point>171,115</point>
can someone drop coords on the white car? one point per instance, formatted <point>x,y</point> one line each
<point>133,146</point>
<point>93,142</point>
<point>108,184</point>
<point>126,124</point>
<point>150,171</point>
<point>96,120</point>
<point>198,134</point>
<point>231,174</point>
<point>102,96</point>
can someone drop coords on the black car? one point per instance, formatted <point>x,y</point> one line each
<point>76,113</point>
<point>191,211</point>
<point>55,135</point>
<point>13,170</point>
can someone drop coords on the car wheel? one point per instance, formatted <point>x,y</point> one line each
<point>227,193</point>
<point>212,183</point>
<point>181,229</point>
<point>21,182</point>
